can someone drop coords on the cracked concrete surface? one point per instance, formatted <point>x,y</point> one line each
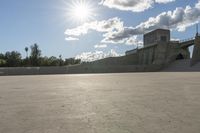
<point>101,103</point>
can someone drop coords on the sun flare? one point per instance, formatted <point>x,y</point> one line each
<point>81,11</point>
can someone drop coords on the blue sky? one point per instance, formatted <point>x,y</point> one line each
<point>45,22</point>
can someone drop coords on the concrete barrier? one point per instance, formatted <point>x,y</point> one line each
<point>77,69</point>
<point>107,65</point>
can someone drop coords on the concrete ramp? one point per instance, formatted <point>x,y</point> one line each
<point>187,43</point>
<point>182,66</point>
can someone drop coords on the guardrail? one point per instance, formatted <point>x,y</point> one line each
<point>186,40</point>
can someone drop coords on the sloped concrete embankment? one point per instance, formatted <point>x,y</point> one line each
<point>32,70</point>
<point>108,65</point>
<point>77,69</point>
<point>182,66</point>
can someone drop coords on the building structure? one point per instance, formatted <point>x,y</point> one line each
<point>158,35</point>
<point>159,49</point>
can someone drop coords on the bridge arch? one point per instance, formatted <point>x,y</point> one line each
<point>180,56</point>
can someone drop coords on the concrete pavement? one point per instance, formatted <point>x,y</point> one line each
<point>101,103</point>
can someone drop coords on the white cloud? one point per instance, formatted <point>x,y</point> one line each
<point>71,39</point>
<point>164,1</point>
<point>114,30</point>
<point>92,56</point>
<point>127,40</point>
<point>100,26</point>
<point>134,41</point>
<point>179,20</point>
<point>128,5</point>
<point>100,46</point>
<point>132,5</point>
<point>175,39</point>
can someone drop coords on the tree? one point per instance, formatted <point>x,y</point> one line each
<point>26,49</point>
<point>72,61</point>
<point>54,61</point>
<point>61,61</point>
<point>51,61</point>
<point>2,62</point>
<point>35,56</point>
<point>2,56</point>
<point>13,59</point>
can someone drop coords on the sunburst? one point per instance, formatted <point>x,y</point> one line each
<point>81,10</point>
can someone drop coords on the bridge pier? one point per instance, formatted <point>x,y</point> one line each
<point>196,51</point>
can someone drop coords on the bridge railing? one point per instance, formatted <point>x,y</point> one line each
<point>186,40</point>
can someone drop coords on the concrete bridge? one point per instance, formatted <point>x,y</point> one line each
<point>196,51</point>
<point>187,43</point>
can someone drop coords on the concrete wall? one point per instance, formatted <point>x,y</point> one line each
<point>161,53</point>
<point>155,36</point>
<point>174,50</point>
<point>155,54</point>
<point>150,58</point>
<point>147,55</point>
<point>196,51</point>
<point>79,69</point>
<point>134,51</point>
<point>123,60</point>
<point>32,70</point>
<point>182,66</point>
<point>109,65</point>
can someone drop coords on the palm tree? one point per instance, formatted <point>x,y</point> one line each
<point>26,49</point>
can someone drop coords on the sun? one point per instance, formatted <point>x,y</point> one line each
<point>81,11</point>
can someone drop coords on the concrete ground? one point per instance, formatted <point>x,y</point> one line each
<point>104,103</point>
